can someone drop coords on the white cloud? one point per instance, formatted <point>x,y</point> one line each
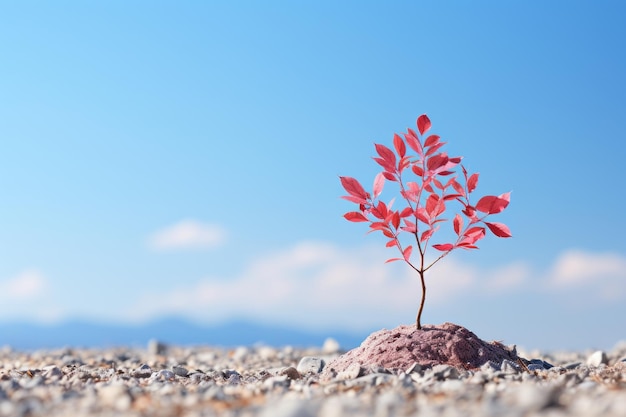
<point>601,275</point>
<point>577,268</point>
<point>188,234</point>
<point>28,284</point>
<point>319,285</point>
<point>315,283</point>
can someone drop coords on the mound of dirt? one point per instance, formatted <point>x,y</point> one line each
<point>400,348</point>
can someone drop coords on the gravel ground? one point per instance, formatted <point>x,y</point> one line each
<point>164,380</point>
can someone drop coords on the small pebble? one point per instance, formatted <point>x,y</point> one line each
<point>597,358</point>
<point>354,371</point>
<point>290,372</point>
<point>180,371</point>
<point>309,364</point>
<point>144,371</point>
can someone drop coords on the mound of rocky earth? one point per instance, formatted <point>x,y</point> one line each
<point>405,346</point>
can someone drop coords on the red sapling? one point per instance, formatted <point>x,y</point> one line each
<point>433,183</point>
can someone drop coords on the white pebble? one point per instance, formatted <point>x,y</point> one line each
<point>597,358</point>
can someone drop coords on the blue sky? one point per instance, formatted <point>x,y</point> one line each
<point>183,158</point>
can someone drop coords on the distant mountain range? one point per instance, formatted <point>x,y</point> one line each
<point>171,330</point>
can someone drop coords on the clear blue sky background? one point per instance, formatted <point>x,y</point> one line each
<point>183,157</point>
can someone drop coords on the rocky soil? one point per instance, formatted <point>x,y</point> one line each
<point>444,379</point>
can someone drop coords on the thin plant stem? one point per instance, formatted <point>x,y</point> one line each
<point>418,321</point>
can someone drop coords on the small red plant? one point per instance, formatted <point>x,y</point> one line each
<point>435,185</point>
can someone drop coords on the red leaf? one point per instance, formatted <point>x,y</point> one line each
<point>404,163</point>
<point>406,212</point>
<point>431,205</point>
<point>458,224</point>
<point>466,246</point>
<point>436,161</point>
<point>393,260</point>
<point>385,164</point>
<point>398,143</point>
<point>417,170</point>
<point>410,226</point>
<point>492,205</point>
<point>434,148</point>
<point>434,205</point>
<point>354,199</point>
<point>423,124</point>
<point>380,211</point>
<point>431,140</point>
<point>445,247</point>
<point>422,215</point>
<point>414,142</point>
<point>473,235</point>
<point>395,220</point>
<point>379,226</point>
<point>412,185</point>
<point>390,176</point>
<point>355,216</point>
<point>427,235</point>
<point>472,182</point>
<point>407,252</point>
<point>353,187</point>
<point>449,197</point>
<point>438,184</point>
<point>469,211</point>
<point>391,243</point>
<point>499,229</point>
<point>387,154</point>
<point>457,187</point>
<point>379,182</point>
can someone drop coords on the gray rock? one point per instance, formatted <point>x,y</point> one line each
<point>180,371</point>
<point>310,364</point>
<point>540,363</point>
<point>197,377</point>
<point>369,380</point>
<point>490,367</point>
<point>535,367</point>
<point>509,367</point>
<point>571,365</point>
<point>353,371</point>
<point>597,358</point>
<point>273,382</point>
<point>416,367</point>
<point>441,372</point>
<point>144,371</point>
<point>165,375</point>
<point>52,372</point>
